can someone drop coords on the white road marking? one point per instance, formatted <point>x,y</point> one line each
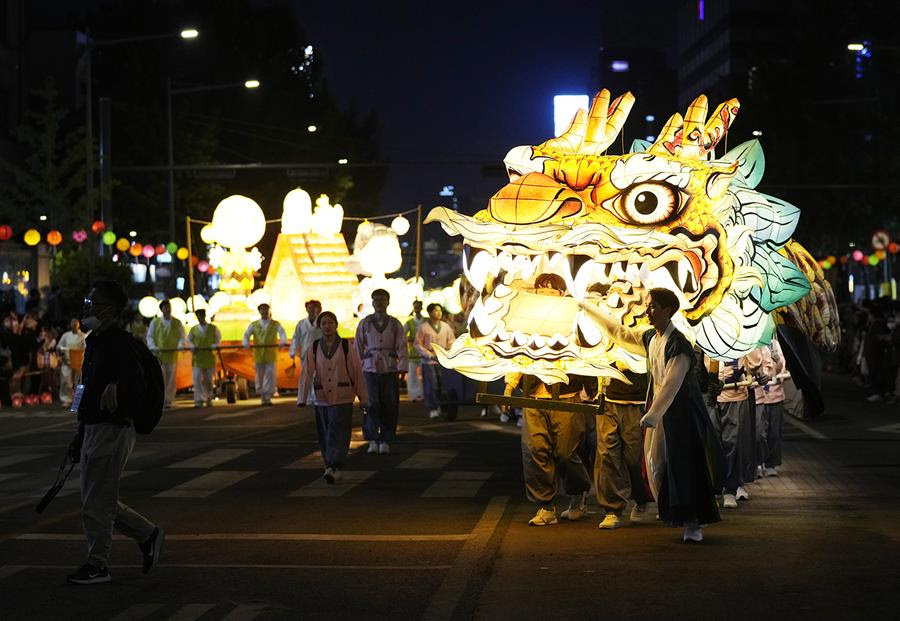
<point>207,484</point>
<point>73,483</point>
<point>9,460</point>
<point>892,428</point>
<point>445,600</point>
<point>457,485</point>
<point>313,461</point>
<point>429,459</point>
<point>349,480</point>
<point>191,612</point>
<point>211,459</point>
<point>8,570</point>
<point>257,537</point>
<point>137,611</point>
<point>71,423</point>
<point>245,612</point>
<point>240,414</point>
<point>804,427</point>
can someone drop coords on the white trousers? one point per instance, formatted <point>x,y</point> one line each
<point>203,384</point>
<point>414,390</point>
<point>168,371</point>
<point>265,380</point>
<point>68,378</point>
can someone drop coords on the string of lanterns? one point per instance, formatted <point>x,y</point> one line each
<point>858,256</point>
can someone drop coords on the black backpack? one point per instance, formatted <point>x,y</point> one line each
<point>146,392</point>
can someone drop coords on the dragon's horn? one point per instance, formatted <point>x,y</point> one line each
<point>718,124</point>
<point>669,138</point>
<point>692,130</point>
<point>570,140</point>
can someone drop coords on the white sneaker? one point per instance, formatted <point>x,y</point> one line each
<point>610,522</point>
<point>638,513</point>
<point>337,475</point>
<point>876,398</point>
<point>544,517</point>
<point>741,494</point>
<point>729,501</point>
<point>329,476</point>
<point>693,533</point>
<point>770,472</point>
<point>373,447</point>
<point>434,414</point>
<point>504,417</point>
<point>483,412</point>
<point>384,448</point>
<point>577,507</point>
<point>760,472</point>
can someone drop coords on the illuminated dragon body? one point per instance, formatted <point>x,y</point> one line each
<point>575,224</point>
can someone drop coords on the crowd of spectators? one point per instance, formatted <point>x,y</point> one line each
<point>870,347</point>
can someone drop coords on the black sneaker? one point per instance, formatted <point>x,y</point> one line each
<point>89,574</point>
<point>152,548</point>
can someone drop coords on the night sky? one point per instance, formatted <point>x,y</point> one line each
<point>462,83</point>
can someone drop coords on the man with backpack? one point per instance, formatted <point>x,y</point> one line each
<point>119,391</point>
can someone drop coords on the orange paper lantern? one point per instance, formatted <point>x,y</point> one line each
<point>98,227</point>
<point>54,238</point>
<point>136,249</point>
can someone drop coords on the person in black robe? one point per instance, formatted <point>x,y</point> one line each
<point>683,460</point>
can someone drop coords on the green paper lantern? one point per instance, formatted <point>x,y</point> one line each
<point>109,238</point>
<point>171,247</point>
<point>873,260</point>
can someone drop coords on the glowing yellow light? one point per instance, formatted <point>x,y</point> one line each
<point>148,307</point>
<point>296,219</point>
<point>190,33</point>
<point>207,234</point>
<point>251,84</point>
<point>32,237</point>
<point>123,244</point>
<point>238,222</point>
<point>400,225</point>
<point>182,253</point>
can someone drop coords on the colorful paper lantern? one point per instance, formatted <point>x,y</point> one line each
<point>160,249</point>
<point>54,238</point>
<point>202,266</point>
<point>238,222</point>
<point>148,307</point>
<point>98,226</point>
<point>400,225</point>
<point>857,255</point>
<point>207,234</point>
<point>6,232</point>
<point>893,247</point>
<point>80,236</point>
<point>568,193</point>
<point>826,264</point>
<point>148,251</point>
<point>873,260</point>
<point>109,238</point>
<point>46,398</point>
<point>844,258</point>
<point>136,249</point>
<point>171,247</point>
<point>32,237</point>
<point>881,254</point>
<point>182,253</point>
<point>831,259</point>
<point>194,261</point>
<point>122,245</point>
<point>17,400</point>
<point>32,399</point>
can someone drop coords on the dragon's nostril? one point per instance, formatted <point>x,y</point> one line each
<point>569,207</point>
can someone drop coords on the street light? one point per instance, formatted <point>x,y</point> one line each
<point>855,47</point>
<point>248,84</point>
<point>312,129</point>
<point>89,45</point>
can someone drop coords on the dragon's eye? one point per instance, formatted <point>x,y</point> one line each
<point>648,203</point>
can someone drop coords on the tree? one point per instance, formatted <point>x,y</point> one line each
<point>48,176</point>
<point>73,270</point>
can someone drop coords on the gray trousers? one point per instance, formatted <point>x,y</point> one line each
<point>620,451</point>
<point>104,453</point>
<point>770,432</point>
<point>550,448</point>
<point>732,423</point>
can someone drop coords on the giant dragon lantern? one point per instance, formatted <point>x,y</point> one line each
<point>575,224</point>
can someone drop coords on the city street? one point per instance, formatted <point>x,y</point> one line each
<point>438,529</point>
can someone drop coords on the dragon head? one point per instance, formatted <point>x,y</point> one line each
<point>576,224</point>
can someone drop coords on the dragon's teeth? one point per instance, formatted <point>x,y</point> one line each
<point>614,301</point>
<point>617,271</point>
<point>538,341</point>
<point>520,339</point>
<point>589,330</point>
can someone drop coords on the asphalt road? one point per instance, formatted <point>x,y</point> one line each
<point>438,528</point>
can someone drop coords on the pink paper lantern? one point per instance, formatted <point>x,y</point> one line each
<point>80,236</point>
<point>203,266</point>
<point>858,255</point>
<point>148,250</point>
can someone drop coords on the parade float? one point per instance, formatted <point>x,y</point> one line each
<point>582,224</point>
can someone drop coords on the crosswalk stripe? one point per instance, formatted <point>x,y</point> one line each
<point>19,458</point>
<point>211,459</point>
<point>349,480</point>
<point>244,612</point>
<point>137,611</point>
<point>191,612</point>
<point>8,570</point>
<point>73,483</point>
<point>313,461</point>
<point>457,485</point>
<point>429,459</point>
<point>206,484</point>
